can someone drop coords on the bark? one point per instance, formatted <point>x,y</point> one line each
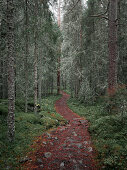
<point>11,70</point>
<point>35,74</point>
<point>58,77</point>
<point>58,69</point>
<point>52,85</point>
<point>26,55</point>
<point>40,79</point>
<point>112,74</point>
<point>1,78</point>
<point>35,60</point>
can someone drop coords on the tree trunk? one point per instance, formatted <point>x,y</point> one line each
<point>26,56</point>
<point>35,59</point>
<point>58,69</point>
<point>112,74</point>
<point>11,70</point>
<point>35,74</point>
<point>40,78</point>
<point>58,77</point>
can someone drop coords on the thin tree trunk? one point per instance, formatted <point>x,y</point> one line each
<point>112,74</point>
<point>35,59</point>
<point>35,73</point>
<point>26,56</point>
<point>52,85</point>
<point>58,77</point>
<point>40,79</point>
<point>11,71</point>
<point>58,69</point>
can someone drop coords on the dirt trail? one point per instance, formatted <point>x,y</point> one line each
<point>65,148</point>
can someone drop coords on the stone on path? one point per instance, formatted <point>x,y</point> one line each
<point>47,154</point>
<point>42,166</point>
<point>39,160</point>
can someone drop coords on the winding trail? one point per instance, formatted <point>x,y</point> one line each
<point>65,148</point>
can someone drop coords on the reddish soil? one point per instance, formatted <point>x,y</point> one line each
<point>67,147</point>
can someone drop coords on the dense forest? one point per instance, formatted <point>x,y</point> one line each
<point>75,46</point>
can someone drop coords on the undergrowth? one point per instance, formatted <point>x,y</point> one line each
<point>108,128</point>
<point>28,126</point>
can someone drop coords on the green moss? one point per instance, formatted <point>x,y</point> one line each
<point>28,126</point>
<point>108,131</point>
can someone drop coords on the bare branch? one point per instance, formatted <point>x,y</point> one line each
<point>102,15</point>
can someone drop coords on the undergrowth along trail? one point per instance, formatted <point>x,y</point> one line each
<point>67,147</point>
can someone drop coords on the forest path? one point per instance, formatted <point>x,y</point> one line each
<point>67,147</point>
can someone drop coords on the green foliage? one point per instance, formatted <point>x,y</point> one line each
<point>20,105</point>
<point>108,133</point>
<point>3,107</point>
<point>28,126</point>
<point>117,104</point>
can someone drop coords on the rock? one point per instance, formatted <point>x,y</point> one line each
<point>64,145</point>
<point>39,160</point>
<point>80,161</point>
<point>47,154</point>
<point>85,142</point>
<point>90,149</point>
<point>24,160</point>
<point>83,121</point>
<point>79,145</point>
<point>74,161</point>
<point>62,164</point>
<point>42,166</point>
<point>49,136</point>
<point>68,125</point>
<point>74,134</point>
<point>103,167</point>
<point>76,167</point>
<point>44,143</point>
<point>70,140</point>
<point>51,143</point>
<point>62,129</point>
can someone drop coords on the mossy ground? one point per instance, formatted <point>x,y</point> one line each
<point>27,126</point>
<point>108,130</point>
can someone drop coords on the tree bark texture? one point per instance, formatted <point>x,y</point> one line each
<point>11,71</point>
<point>58,77</point>
<point>35,60</point>
<point>35,74</point>
<point>113,51</point>
<point>26,55</point>
<point>58,69</point>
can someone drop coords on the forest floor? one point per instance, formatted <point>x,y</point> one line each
<point>66,147</point>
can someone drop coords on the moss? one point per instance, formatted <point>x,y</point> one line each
<point>28,126</point>
<point>108,132</point>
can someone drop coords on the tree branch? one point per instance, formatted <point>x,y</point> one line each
<point>102,15</point>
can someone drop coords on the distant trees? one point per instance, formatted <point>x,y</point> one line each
<point>72,45</point>
<point>102,49</point>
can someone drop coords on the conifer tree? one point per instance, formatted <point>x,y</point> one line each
<point>11,70</point>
